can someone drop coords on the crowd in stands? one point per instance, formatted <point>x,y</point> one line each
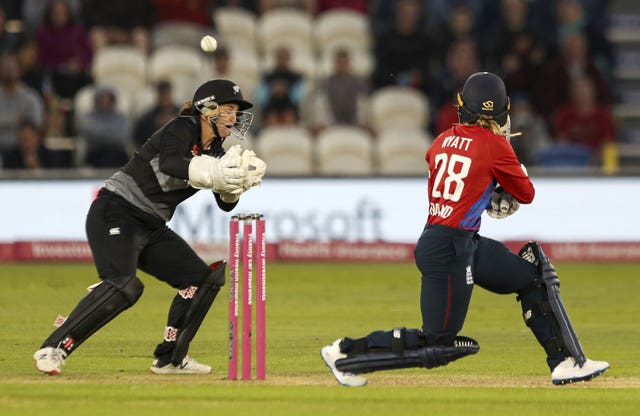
<point>553,55</point>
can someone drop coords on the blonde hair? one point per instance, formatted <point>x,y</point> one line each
<point>188,109</point>
<point>489,124</point>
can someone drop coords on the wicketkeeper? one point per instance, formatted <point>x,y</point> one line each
<point>472,168</point>
<point>126,227</point>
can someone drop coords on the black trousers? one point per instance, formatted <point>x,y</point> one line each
<point>452,261</point>
<point>123,238</point>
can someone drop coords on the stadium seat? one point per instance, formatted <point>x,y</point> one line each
<point>402,152</point>
<point>339,28</point>
<point>288,151</point>
<point>184,67</point>
<point>285,27</point>
<point>245,71</point>
<point>344,151</point>
<point>177,34</point>
<point>397,106</point>
<point>236,28</point>
<point>122,66</point>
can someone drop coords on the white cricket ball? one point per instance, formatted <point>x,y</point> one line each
<point>208,43</point>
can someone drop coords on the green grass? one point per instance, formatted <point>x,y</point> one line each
<point>310,305</point>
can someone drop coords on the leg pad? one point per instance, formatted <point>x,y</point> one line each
<point>202,301</point>
<point>426,357</point>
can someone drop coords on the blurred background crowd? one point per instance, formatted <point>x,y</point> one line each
<point>349,87</point>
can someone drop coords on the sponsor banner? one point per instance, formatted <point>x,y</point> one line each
<point>345,251</point>
<point>339,209</point>
<point>319,251</point>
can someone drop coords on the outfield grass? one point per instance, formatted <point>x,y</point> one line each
<point>310,305</point>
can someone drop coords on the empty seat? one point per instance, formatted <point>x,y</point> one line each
<point>397,106</point>
<point>341,27</point>
<point>344,151</point>
<point>402,151</point>
<point>285,27</point>
<point>177,34</point>
<point>123,65</point>
<point>236,27</point>
<point>288,151</point>
<point>184,67</point>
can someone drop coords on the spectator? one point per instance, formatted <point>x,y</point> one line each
<point>64,50</point>
<point>459,25</point>
<point>249,5</point>
<point>526,69</point>
<point>535,132</point>
<point>584,121</point>
<point>17,101</point>
<point>340,97</point>
<point>197,12</point>
<point>403,53</point>
<point>461,62</point>
<point>447,114</point>
<point>33,11</point>
<point>572,63</point>
<point>30,152</point>
<point>361,6</point>
<point>8,40</point>
<point>157,116</point>
<point>502,38</point>
<point>32,74</point>
<point>119,22</point>
<point>281,91</point>
<point>106,131</point>
<point>222,63</point>
<point>573,18</point>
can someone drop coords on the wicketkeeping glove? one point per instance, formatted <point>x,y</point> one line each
<point>221,175</point>
<point>255,167</point>
<point>503,204</point>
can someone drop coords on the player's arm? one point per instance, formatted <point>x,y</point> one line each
<point>173,148</point>
<point>510,174</point>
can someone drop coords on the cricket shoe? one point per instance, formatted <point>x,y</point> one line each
<point>569,371</point>
<point>49,360</point>
<point>187,366</point>
<point>330,354</point>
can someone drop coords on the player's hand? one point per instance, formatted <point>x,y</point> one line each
<point>228,175</point>
<point>255,167</point>
<point>503,204</point>
<point>221,175</point>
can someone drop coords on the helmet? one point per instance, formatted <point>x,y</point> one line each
<point>483,96</point>
<point>215,92</point>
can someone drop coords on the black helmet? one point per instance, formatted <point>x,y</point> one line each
<point>483,96</point>
<point>216,92</point>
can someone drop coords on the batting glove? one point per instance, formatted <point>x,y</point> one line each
<point>503,204</point>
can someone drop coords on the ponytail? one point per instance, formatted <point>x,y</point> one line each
<point>188,109</point>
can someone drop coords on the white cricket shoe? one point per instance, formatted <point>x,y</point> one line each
<point>50,360</point>
<point>330,354</point>
<point>188,366</point>
<point>569,371</point>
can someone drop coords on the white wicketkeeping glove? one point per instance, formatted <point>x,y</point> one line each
<point>221,175</point>
<point>255,167</point>
<point>503,204</point>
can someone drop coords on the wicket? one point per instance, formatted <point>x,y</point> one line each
<point>243,252</point>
